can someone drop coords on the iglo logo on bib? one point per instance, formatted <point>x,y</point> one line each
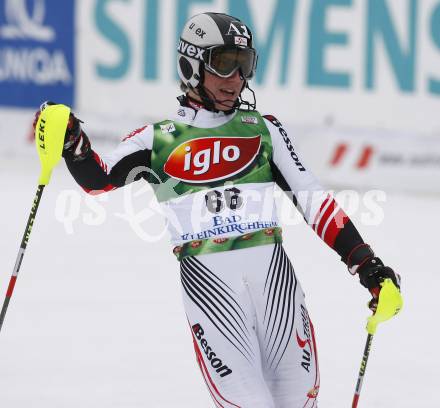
<point>210,159</point>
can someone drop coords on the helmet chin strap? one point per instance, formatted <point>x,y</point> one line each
<point>209,100</point>
<point>214,101</point>
<point>246,105</point>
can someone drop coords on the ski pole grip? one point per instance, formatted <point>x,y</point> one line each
<point>389,304</point>
<point>49,138</point>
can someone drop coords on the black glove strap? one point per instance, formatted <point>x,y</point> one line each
<point>373,272</point>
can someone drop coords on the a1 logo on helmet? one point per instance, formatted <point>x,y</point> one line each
<point>210,159</point>
<point>238,28</point>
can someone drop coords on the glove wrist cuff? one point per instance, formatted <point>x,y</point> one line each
<point>358,256</point>
<point>80,149</point>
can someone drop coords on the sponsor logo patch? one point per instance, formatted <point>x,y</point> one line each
<point>251,120</point>
<point>313,393</point>
<point>211,158</point>
<point>167,128</point>
<point>241,41</point>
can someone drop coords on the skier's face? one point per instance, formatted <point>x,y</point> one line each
<point>224,91</point>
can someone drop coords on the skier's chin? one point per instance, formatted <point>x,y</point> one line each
<point>223,105</point>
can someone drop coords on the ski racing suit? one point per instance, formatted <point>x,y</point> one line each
<point>214,175</point>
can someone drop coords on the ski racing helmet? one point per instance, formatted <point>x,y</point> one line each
<point>219,43</point>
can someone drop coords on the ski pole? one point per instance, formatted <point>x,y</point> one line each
<point>362,371</point>
<point>21,253</point>
<point>390,303</point>
<point>49,137</point>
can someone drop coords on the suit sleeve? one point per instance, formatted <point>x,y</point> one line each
<point>129,162</point>
<point>318,207</point>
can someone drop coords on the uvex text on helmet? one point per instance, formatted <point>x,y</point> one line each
<point>201,32</point>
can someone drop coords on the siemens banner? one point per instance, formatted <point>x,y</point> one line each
<point>399,41</point>
<point>362,63</point>
<point>36,52</point>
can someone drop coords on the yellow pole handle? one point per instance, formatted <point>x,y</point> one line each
<point>390,303</point>
<point>49,138</point>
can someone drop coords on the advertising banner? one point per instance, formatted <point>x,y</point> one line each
<point>37,55</point>
<point>371,159</point>
<point>370,63</point>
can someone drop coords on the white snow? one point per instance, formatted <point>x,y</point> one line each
<point>96,318</point>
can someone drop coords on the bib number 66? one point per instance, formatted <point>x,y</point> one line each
<point>216,201</point>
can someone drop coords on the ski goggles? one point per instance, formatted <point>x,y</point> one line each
<point>225,60</point>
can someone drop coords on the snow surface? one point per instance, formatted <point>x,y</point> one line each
<point>96,318</point>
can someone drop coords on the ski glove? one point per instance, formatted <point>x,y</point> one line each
<point>382,282</point>
<point>372,273</point>
<point>76,143</point>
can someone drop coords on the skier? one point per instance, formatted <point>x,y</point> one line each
<point>213,168</point>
